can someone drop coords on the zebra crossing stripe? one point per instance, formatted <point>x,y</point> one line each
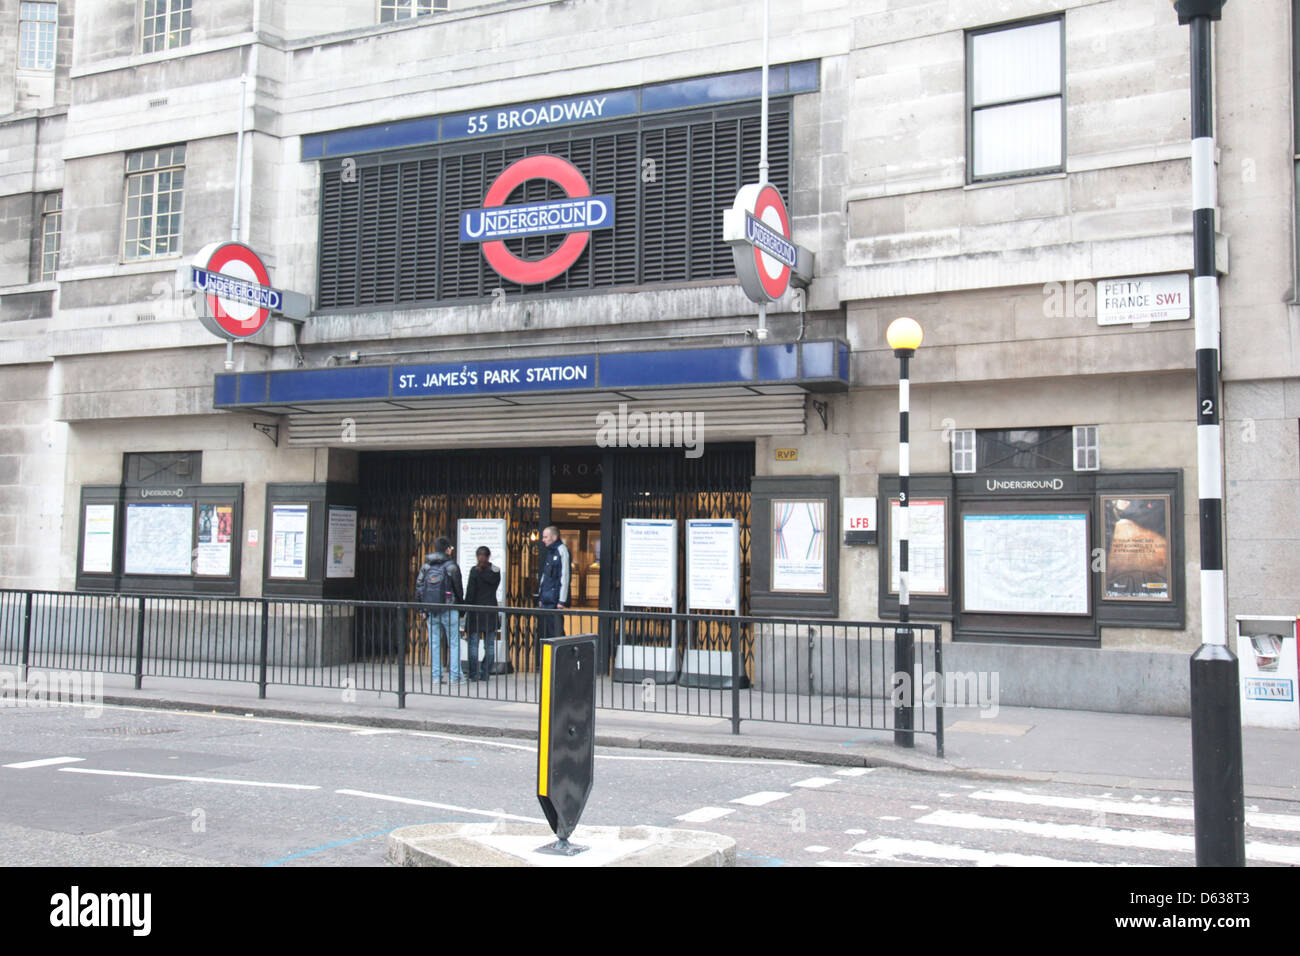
<point>1132,839</point>
<point>1262,821</point>
<point>891,849</point>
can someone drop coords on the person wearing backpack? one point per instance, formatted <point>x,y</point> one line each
<point>438,585</point>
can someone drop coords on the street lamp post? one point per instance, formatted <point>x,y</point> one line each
<point>904,337</point>
<point>1217,788</point>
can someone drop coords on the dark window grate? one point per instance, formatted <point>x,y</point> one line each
<point>392,236</point>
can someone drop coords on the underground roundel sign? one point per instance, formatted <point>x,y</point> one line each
<point>577,215</point>
<point>236,287</point>
<point>757,227</point>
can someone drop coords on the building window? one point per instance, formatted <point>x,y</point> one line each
<point>38,26</point>
<point>1023,449</point>
<point>155,199</point>
<point>1015,107</point>
<point>1087,448</point>
<point>51,234</point>
<point>963,451</point>
<point>166,25</point>
<point>390,10</point>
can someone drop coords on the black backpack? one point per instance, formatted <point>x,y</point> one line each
<point>431,588</point>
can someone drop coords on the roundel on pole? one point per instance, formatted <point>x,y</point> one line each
<point>236,288</point>
<point>758,229</point>
<point>577,215</point>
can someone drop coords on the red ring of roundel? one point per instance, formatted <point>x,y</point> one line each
<point>769,197</point>
<point>534,271</point>
<point>230,252</point>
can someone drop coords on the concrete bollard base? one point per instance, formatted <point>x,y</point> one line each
<point>517,844</point>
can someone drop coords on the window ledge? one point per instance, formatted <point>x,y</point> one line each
<point>1015,180</point>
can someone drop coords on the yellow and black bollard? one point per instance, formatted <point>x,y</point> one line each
<point>566,738</point>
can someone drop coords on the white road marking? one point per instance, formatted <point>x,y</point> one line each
<point>919,806</point>
<point>815,849</point>
<point>724,760</point>
<point>762,798</point>
<point>1264,821</point>
<point>853,771</point>
<point>855,832</point>
<point>889,818</point>
<point>814,782</point>
<point>169,776</point>
<point>1141,839</point>
<point>46,762</point>
<point>704,814</point>
<point>888,848</point>
<point>373,732</point>
<point>495,814</point>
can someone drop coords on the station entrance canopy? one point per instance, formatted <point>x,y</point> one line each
<point>742,393</point>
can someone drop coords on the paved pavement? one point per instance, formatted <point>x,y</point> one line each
<point>1037,744</point>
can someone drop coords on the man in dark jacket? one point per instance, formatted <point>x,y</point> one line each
<point>484,579</point>
<point>439,585</point>
<point>553,585</point>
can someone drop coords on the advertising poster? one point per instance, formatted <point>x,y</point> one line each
<point>289,541</point>
<point>474,533</point>
<point>213,550</point>
<point>650,563</point>
<point>159,539</point>
<point>97,539</point>
<point>927,545</point>
<point>799,546</point>
<point>1135,532</point>
<point>713,565</point>
<point>1025,563</point>
<point>341,542</point>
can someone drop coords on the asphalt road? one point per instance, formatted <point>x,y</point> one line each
<point>167,788</point>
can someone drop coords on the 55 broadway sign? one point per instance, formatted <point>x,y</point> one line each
<point>577,215</point>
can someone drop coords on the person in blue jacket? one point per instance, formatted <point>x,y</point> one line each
<point>553,583</point>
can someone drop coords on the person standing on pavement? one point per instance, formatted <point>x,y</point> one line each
<point>481,589</point>
<point>553,585</point>
<point>438,586</point>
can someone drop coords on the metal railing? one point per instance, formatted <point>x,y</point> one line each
<point>787,670</point>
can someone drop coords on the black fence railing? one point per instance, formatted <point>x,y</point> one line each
<point>786,670</point>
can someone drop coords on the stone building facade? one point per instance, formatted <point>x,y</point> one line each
<point>1004,172</point>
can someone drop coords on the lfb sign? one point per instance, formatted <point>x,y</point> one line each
<point>757,227</point>
<point>577,215</point>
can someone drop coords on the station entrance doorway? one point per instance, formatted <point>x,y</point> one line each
<point>410,498</point>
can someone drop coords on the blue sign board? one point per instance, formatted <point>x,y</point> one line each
<point>768,240</point>
<point>529,116</point>
<point>537,219</point>
<point>818,366</point>
<point>506,375</point>
<point>543,114</point>
<point>228,287</point>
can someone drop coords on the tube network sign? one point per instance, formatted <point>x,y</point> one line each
<point>577,215</point>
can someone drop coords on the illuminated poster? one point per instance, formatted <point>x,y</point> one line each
<point>1025,563</point>
<point>650,563</point>
<point>289,541</point>
<point>97,539</point>
<point>927,546</point>
<point>341,542</point>
<point>1135,530</point>
<point>713,564</point>
<point>214,540</point>
<point>799,545</point>
<point>159,539</point>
